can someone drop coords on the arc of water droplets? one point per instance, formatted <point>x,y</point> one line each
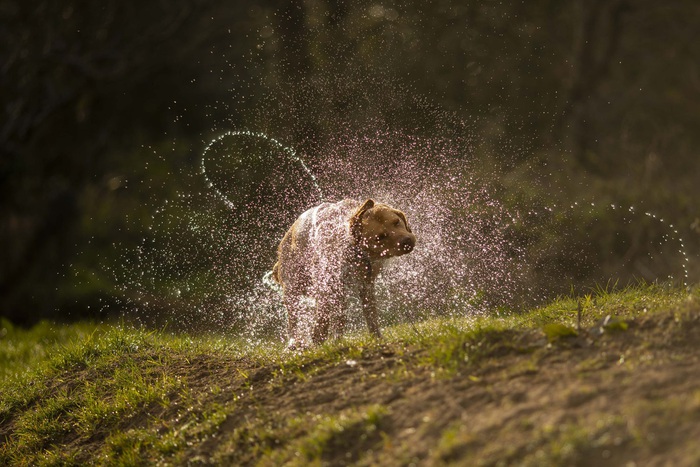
<point>289,152</point>
<point>674,235</point>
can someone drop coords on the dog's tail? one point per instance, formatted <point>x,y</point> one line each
<point>272,279</point>
<point>276,272</point>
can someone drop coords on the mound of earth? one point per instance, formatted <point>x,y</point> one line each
<point>620,393</point>
<point>628,396</point>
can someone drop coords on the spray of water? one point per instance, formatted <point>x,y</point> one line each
<point>209,249</point>
<point>200,264</point>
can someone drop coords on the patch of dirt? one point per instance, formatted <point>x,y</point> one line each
<point>623,398</point>
<point>627,396</point>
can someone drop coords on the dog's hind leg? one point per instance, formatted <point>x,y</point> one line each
<point>329,309</point>
<point>338,323</point>
<point>297,313</point>
<point>320,332</point>
<point>294,308</point>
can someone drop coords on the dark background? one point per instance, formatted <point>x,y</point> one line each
<point>106,107</point>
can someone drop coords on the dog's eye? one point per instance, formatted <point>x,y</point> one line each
<point>382,236</point>
<point>397,223</point>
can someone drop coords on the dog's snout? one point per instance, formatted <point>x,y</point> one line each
<point>407,244</point>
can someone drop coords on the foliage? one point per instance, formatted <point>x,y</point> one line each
<point>108,106</point>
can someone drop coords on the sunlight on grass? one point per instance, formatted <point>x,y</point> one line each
<point>130,389</point>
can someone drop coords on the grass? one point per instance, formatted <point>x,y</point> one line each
<point>100,385</point>
<point>116,395</point>
<point>24,348</point>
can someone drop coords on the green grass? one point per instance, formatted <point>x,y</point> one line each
<point>116,395</point>
<point>22,348</point>
<point>100,382</point>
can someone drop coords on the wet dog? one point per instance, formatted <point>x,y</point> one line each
<point>330,251</point>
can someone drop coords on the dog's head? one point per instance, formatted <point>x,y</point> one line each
<point>381,230</point>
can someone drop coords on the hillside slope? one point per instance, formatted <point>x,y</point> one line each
<point>511,390</point>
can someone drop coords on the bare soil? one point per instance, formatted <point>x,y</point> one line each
<point>626,397</point>
<point>630,397</point>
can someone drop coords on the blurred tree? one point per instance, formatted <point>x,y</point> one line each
<point>598,42</point>
<point>85,86</point>
<point>107,104</point>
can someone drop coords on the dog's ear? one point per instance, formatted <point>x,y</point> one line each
<point>368,204</point>
<point>355,224</point>
<point>403,218</point>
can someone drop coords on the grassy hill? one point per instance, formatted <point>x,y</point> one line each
<point>621,388</point>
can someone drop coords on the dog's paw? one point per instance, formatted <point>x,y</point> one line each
<point>296,345</point>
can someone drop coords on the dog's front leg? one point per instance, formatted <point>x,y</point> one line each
<point>369,308</point>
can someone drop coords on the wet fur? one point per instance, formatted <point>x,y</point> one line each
<point>331,250</point>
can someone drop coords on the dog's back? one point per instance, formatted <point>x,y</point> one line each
<point>316,240</point>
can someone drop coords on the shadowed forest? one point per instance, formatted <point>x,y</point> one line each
<point>107,107</point>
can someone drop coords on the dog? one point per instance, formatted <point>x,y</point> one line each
<point>330,250</point>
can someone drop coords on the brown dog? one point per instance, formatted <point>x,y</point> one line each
<point>331,248</point>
